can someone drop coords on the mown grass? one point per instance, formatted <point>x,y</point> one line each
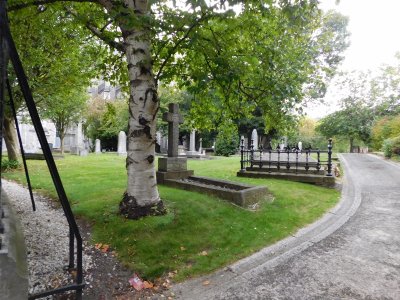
<point>199,234</point>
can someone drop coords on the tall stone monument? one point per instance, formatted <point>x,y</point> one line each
<point>97,147</point>
<point>192,145</point>
<point>122,143</point>
<point>172,167</point>
<point>254,137</point>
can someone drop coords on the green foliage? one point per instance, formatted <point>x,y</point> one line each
<point>227,141</point>
<point>391,147</point>
<point>8,165</point>
<point>154,246</point>
<point>104,120</point>
<point>256,60</point>
<point>384,128</point>
<point>387,148</point>
<point>56,61</point>
<point>353,122</point>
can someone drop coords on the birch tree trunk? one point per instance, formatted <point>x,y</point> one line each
<point>141,197</point>
<point>10,138</point>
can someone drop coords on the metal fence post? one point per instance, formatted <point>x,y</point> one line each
<point>329,158</point>
<point>251,153</point>
<point>242,155</point>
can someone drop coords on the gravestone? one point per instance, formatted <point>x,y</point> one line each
<point>254,137</point>
<point>300,146</point>
<point>192,147</point>
<point>97,149</point>
<point>57,143</point>
<point>283,143</point>
<point>201,145</point>
<point>121,143</point>
<point>172,167</point>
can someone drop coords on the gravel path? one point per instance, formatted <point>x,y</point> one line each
<point>46,238</point>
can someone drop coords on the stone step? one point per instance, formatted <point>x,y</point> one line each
<point>328,181</point>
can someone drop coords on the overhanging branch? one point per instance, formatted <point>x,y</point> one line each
<point>98,32</point>
<point>42,2</point>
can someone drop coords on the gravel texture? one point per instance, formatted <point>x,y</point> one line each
<point>46,237</point>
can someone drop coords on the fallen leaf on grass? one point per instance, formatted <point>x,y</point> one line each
<point>105,248</point>
<point>203,253</point>
<point>183,248</point>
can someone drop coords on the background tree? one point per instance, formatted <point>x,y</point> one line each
<point>352,123</point>
<point>104,120</point>
<point>57,64</point>
<point>64,110</point>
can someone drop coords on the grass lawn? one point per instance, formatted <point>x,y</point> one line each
<point>199,234</point>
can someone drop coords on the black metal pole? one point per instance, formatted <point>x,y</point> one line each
<point>21,147</point>
<point>329,158</point>
<point>251,153</point>
<point>3,72</point>
<point>241,155</point>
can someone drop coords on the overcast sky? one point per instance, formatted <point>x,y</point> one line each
<point>374,26</point>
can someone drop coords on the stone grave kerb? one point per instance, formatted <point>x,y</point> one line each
<point>173,166</point>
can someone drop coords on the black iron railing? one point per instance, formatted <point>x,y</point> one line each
<point>9,54</point>
<point>286,160</point>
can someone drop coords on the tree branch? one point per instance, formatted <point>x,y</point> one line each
<point>42,2</point>
<point>98,32</point>
<point>172,51</point>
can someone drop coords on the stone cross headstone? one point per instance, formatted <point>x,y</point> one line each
<point>174,118</point>
<point>97,148</point>
<point>254,137</point>
<point>121,143</point>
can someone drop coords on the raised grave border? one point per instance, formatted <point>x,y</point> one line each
<point>240,194</point>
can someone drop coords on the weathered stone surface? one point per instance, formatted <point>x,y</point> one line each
<point>13,265</point>
<point>237,193</point>
<point>162,176</point>
<point>328,181</point>
<point>174,119</point>
<point>97,147</point>
<point>166,164</point>
<point>122,143</point>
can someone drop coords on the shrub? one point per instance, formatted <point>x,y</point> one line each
<point>391,146</point>
<point>227,141</point>
<point>7,165</point>
<point>396,145</point>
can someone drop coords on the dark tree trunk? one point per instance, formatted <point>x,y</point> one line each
<point>351,144</point>
<point>10,138</point>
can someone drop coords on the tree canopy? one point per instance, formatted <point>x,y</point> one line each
<point>268,54</point>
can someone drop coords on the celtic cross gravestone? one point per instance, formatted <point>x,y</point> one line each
<point>174,118</point>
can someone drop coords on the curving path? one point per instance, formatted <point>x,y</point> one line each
<point>353,252</point>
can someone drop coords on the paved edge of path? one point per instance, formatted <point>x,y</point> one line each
<point>281,251</point>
